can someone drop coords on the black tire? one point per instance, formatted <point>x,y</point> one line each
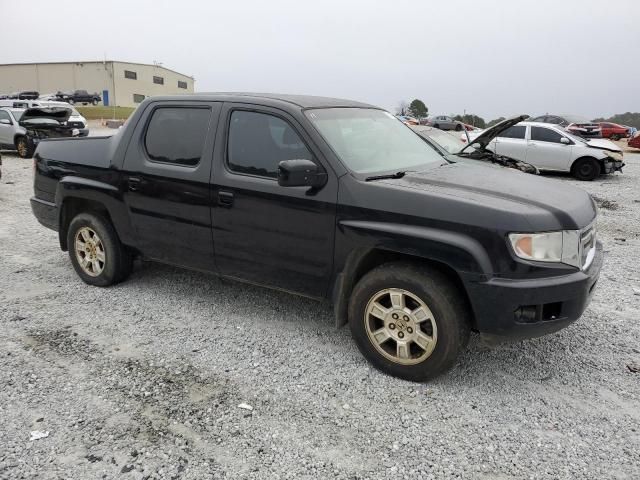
<point>585,169</point>
<point>25,147</point>
<point>118,261</point>
<point>615,136</point>
<point>458,127</point>
<point>449,311</point>
<point>94,102</point>
<point>437,125</point>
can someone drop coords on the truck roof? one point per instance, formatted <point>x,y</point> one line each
<point>302,101</point>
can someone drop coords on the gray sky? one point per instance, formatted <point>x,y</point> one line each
<point>493,58</point>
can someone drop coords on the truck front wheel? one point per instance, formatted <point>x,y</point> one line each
<point>94,101</point>
<point>408,320</point>
<point>95,251</point>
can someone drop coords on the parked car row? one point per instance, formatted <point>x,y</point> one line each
<point>21,129</point>
<point>70,97</point>
<point>545,146</point>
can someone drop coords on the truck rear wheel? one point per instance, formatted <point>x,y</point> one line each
<point>95,251</point>
<point>408,320</point>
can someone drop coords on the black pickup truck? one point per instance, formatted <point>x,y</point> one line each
<point>330,199</point>
<point>79,96</point>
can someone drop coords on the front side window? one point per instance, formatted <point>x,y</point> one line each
<point>4,115</point>
<point>158,80</point>
<point>131,75</point>
<point>517,131</point>
<point>542,134</point>
<point>177,135</point>
<point>258,142</point>
<point>370,140</point>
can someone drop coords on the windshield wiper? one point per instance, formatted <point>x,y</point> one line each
<point>384,177</point>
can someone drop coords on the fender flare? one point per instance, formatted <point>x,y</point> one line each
<point>457,251</point>
<point>104,194</point>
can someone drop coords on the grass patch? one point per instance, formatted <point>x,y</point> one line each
<point>106,113</point>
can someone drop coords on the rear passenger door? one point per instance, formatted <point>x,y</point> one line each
<point>512,143</point>
<point>166,180</point>
<point>264,233</point>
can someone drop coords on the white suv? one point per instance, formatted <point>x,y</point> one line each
<point>551,148</point>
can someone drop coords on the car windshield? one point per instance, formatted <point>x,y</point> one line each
<point>369,140</point>
<point>446,140</point>
<point>573,137</point>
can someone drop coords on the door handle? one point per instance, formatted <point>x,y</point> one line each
<point>225,199</point>
<point>134,183</point>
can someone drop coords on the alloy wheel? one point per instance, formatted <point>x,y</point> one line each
<point>401,326</point>
<point>90,251</point>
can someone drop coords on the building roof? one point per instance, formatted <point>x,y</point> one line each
<point>302,101</point>
<point>78,62</point>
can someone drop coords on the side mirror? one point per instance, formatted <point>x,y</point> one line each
<point>5,121</point>
<point>565,140</point>
<point>300,173</point>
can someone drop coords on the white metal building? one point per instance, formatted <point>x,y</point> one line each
<point>119,83</point>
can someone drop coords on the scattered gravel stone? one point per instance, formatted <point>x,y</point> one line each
<point>112,373</point>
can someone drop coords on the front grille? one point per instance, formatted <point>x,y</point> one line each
<point>587,245</point>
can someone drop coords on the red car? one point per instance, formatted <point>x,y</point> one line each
<point>613,131</point>
<point>634,141</point>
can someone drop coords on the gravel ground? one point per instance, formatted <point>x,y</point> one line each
<point>145,379</point>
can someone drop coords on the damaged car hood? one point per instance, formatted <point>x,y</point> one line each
<point>481,141</point>
<point>33,116</point>
<point>603,144</point>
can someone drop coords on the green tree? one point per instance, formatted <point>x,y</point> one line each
<point>418,109</point>
<point>494,122</point>
<point>471,119</point>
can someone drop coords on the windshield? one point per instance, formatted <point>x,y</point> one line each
<point>447,141</point>
<point>369,140</point>
<point>573,137</point>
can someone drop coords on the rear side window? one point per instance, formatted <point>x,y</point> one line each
<point>177,135</point>
<point>517,131</point>
<point>258,142</point>
<point>542,134</point>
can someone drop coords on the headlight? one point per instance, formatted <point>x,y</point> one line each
<point>543,247</point>
<point>614,155</point>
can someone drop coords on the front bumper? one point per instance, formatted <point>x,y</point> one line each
<point>510,309</point>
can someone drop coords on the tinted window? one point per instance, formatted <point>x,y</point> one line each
<point>517,131</point>
<point>545,135</point>
<point>177,135</point>
<point>130,74</point>
<point>158,80</point>
<point>258,142</point>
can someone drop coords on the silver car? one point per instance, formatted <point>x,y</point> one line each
<point>444,122</point>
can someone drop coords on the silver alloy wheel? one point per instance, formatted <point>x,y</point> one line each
<point>401,326</point>
<point>90,251</point>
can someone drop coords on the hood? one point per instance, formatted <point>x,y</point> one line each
<point>60,114</point>
<point>544,204</point>
<point>492,132</point>
<point>603,144</point>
